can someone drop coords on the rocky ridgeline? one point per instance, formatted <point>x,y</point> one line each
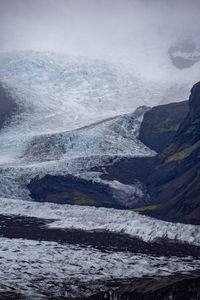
<point>175,180</point>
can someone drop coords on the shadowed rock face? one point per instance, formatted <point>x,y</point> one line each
<point>175,180</point>
<point>194,102</point>
<point>74,190</point>
<point>161,123</point>
<point>8,107</point>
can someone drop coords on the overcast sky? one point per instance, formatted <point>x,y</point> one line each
<point>96,28</point>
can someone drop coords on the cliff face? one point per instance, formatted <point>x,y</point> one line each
<point>175,178</point>
<point>160,124</point>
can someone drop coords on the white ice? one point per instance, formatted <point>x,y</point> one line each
<point>95,219</point>
<point>59,93</point>
<point>45,269</point>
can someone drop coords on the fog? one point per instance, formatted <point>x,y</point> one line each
<point>125,31</point>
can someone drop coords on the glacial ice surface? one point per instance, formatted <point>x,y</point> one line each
<point>93,218</point>
<point>75,114</point>
<point>60,93</point>
<point>39,269</point>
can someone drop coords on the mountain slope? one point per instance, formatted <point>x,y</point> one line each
<point>175,179</point>
<point>161,123</point>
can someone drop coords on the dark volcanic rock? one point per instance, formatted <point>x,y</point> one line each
<point>161,123</point>
<point>8,107</point>
<point>69,190</point>
<point>175,179</point>
<point>74,190</point>
<point>128,170</point>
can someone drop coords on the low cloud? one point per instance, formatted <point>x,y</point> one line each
<point>110,29</point>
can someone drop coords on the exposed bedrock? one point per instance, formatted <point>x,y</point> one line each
<point>161,123</point>
<point>74,190</point>
<point>175,178</point>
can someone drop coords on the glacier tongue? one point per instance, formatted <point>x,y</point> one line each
<point>75,152</point>
<point>73,116</point>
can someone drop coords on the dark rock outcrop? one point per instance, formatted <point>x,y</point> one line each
<point>69,190</point>
<point>161,123</point>
<point>74,190</point>
<point>8,106</point>
<point>175,178</point>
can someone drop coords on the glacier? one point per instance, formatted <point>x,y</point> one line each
<point>76,114</point>
<point>106,219</point>
<point>39,269</point>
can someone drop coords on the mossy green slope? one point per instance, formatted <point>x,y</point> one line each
<point>175,180</point>
<point>161,123</point>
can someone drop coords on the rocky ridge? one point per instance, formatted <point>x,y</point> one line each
<point>175,177</point>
